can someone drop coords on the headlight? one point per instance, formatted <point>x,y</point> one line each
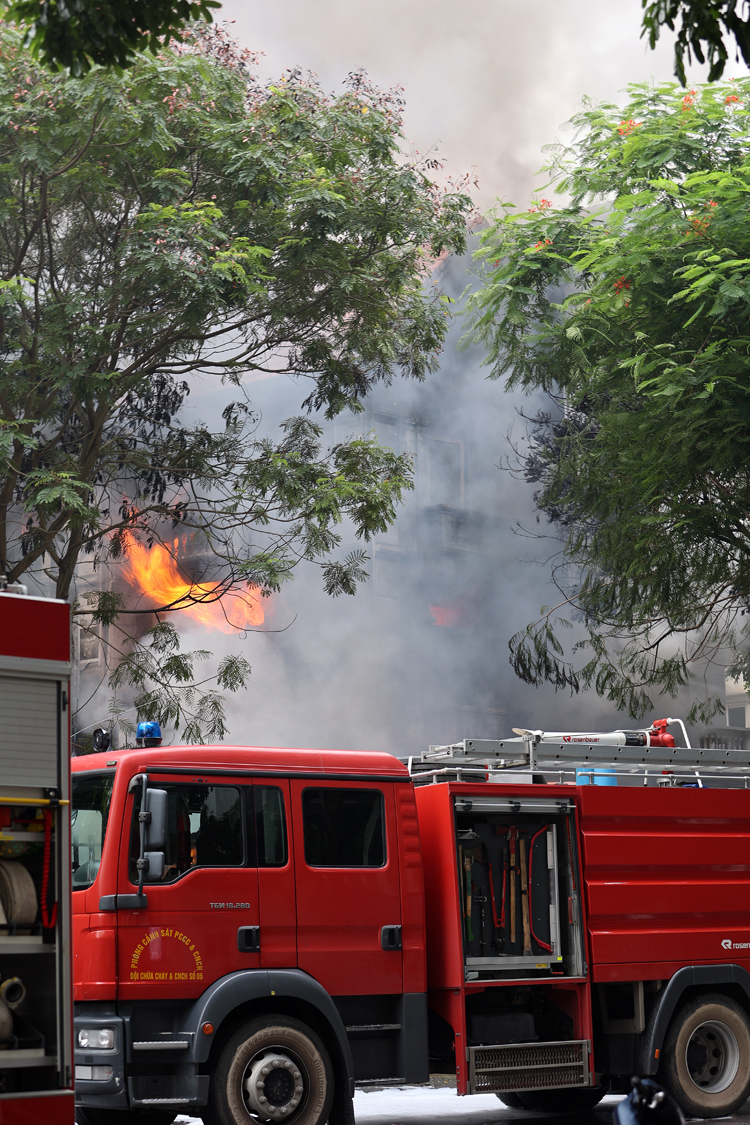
<point>94,1073</point>
<point>98,1038</point>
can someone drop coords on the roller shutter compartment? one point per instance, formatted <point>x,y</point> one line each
<point>29,731</point>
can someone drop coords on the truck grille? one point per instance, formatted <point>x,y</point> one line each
<point>528,1066</point>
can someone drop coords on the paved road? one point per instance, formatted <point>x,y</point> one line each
<point>419,1106</point>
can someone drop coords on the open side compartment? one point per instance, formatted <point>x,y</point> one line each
<point>518,887</point>
<point>31,1014</point>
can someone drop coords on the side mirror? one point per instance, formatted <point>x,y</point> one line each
<point>155,834</point>
<point>156,823</point>
<point>155,869</point>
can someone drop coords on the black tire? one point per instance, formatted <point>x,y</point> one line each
<point>706,1056</point>
<point>277,1060</point>
<point>563,1101</point>
<point>86,1115</point>
<point>511,1100</point>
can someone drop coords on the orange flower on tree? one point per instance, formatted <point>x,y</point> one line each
<point>627,127</point>
<point>620,284</point>
<point>699,226</point>
<point>730,99</point>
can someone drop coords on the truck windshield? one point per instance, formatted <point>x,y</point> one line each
<point>89,813</point>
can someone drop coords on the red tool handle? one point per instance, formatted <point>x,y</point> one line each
<point>49,917</point>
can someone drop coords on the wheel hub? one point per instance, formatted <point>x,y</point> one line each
<point>273,1086</point>
<point>712,1056</point>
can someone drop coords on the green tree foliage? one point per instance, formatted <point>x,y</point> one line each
<point>703,27</point>
<point>630,305</point>
<point>182,222</point>
<point>78,33</point>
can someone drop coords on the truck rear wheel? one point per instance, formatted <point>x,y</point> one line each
<point>706,1058</point>
<point>511,1100</point>
<point>274,1068</point>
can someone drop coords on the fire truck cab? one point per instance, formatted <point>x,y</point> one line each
<point>281,914</point>
<point>257,930</point>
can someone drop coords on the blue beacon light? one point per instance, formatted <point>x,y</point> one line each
<point>148,734</point>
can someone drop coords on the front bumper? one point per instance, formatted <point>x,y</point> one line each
<point>102,1081</point>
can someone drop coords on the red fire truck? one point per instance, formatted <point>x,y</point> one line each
<point>258,930</point>
<point>36,995</point>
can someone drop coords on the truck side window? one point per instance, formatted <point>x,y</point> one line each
<point>88,824</point>
<point>343,827</point>
<point>270,826</point>
<point>204,829</point>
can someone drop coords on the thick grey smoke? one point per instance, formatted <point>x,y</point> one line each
<point>420,655</point>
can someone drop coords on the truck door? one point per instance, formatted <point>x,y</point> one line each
<point>348,886</point>
<point>202,916</point>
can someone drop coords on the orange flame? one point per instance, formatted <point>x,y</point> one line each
<point>453,615</point>
<point>156,574</point>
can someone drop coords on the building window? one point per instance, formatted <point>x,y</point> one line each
<point>736,716</point>
<point>387,575</point>
<point>89,644</point>
<point>445,473</point>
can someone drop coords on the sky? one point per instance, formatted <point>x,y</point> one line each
<point>489,82</point>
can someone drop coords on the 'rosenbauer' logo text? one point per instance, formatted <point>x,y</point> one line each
<point>727,943</point>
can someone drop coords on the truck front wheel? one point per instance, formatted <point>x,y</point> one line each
<point>272,1069</point>
<point>706,1058</point>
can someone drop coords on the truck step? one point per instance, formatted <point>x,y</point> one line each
<point>162,1045</point>
<point>529,1066</point>
<point>382,1083</point>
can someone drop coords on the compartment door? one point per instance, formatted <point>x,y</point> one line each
<point>30,731</point>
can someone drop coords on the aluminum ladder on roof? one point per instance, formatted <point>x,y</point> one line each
<point>533,753</point>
